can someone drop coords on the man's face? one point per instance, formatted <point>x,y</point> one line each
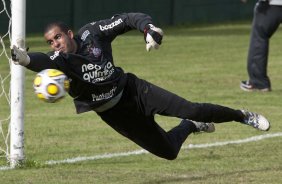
<point>60,41</point>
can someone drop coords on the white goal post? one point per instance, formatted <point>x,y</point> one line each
<point>12,79</point>
<point>18,18</point>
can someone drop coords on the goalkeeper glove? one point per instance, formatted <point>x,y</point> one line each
<point>153,37</point>
<point>19,56</point>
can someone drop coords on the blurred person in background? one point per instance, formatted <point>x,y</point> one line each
<point>266,20</point>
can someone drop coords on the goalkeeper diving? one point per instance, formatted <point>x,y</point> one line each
<point>124,101</point>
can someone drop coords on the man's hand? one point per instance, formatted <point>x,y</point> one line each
<point>153,37</point>
<point>19,56</point>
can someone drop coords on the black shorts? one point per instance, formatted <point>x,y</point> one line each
<point>133,116</point>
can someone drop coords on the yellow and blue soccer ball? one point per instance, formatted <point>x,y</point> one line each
<point>51,85</point>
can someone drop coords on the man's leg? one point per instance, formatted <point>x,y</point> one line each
<point>265,23</point>
<point>155,100</point>
<point>145,132</point>
<point>128,118</point>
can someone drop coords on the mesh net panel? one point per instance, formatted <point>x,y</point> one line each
<point>5,22</point>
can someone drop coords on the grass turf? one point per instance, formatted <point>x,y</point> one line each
<point>202,64</point>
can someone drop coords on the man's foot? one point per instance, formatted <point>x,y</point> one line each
<point>204,127</point>
<point>256,120</point>
<point>246,86</point>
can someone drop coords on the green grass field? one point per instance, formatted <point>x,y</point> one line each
<point>202,64</point>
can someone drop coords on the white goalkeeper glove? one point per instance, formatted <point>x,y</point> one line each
<point>19,55</point>
<point>153,37</point>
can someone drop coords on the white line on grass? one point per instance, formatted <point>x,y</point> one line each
<point>139,152</point>
<point>240,141</point>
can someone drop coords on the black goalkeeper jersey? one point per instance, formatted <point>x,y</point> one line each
<point>94,79</point>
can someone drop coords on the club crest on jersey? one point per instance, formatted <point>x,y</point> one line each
<point>96,51</point>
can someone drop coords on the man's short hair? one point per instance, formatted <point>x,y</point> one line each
<point>64,27</point>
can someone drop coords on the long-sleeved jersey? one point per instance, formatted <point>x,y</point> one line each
<point>94,79</point>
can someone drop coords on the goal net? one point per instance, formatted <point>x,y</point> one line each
<point>12,20</point>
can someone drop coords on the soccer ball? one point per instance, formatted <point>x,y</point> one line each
<point>51,85</point>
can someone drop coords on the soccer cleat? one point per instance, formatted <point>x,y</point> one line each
<point>204,127</point>
<point>247,86</point>
<point>256,120</point>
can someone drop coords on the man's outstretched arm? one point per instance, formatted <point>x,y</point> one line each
<point>35,61</point>
<point>109,29</point>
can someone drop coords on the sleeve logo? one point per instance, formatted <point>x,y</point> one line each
<point>110,26</point>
